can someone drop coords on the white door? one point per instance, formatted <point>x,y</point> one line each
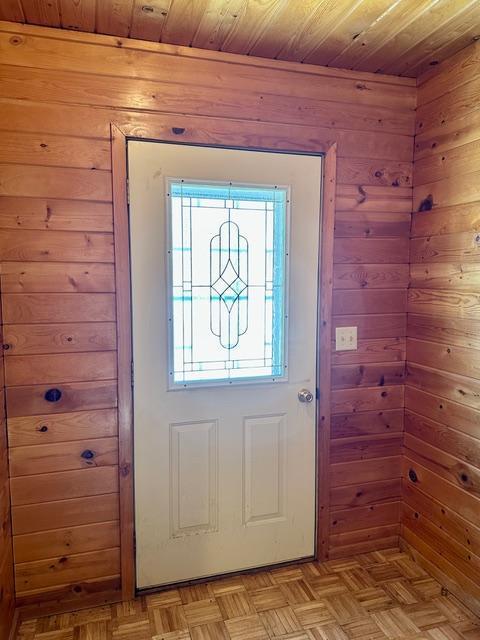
<point>224,254</point>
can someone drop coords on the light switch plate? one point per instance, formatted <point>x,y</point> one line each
<point>346,338</point>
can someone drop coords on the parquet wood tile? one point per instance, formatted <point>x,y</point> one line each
<point>382,595</point>
<point>268,598</point>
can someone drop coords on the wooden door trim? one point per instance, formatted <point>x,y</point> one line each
<point>119,141</point>
<point>124,361</point>
<point>324,348</point>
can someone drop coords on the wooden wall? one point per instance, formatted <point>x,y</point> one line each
<point>441,517</point>
<point>7,591</point>
<point>60,92</point>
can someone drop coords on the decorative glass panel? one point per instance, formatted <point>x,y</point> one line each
<point>227,282</point>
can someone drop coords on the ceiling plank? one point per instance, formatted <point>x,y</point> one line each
<point>11,10</point>
<point>314,32</point>
<point>183,20</point>
<point>251,24</point>
<point>283,28</point>
<point>42,12</point>
<point>149,18</point>
<point>384,33</point>
<point>217,22</point>
<point>114,17</point>
<point>347,29</point>
<point>446,21</point>
<point>78,14</point>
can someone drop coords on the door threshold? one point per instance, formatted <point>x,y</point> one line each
<point>145,591</point>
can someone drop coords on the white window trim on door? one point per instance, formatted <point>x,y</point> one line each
<point>178,386</point>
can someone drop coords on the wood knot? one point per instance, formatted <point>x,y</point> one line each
<point>16,41</point>
<point>362,193</point>
<point>427,203</point>
<point>125,469</point>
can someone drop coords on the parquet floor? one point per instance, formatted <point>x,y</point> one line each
<point>374,596</point>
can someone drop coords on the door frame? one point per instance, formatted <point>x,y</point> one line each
<point>119,140</point>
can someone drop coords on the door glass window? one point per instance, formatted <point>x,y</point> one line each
<point>228,262</point>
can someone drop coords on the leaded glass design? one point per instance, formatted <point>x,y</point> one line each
<point>228,258</point>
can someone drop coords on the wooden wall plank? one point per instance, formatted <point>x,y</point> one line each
<point>451,386</point>
<point>349,376</point>
<point>54,182</point>
<point>52,246</point>
<point>368,493</point>
<point>52,150</point>
<point>47,277</point>
<point>372,276</point>
<point>64,513</point>
<point>60,367</point>
<point>77,396</point>
<point>367,423</point>
<point>31,576</point>
<point>61,542</point>
<point>438,408</point>
<point>379,350</point>
<point>21,339</point>
<point>64,485</point>
<point>372,326</point>
<point>62,456</point>
<point>369,250</point>
<point>62,427</point>
<point>369,301</point>
<point>58,307</point>
<point>44,213</point>
<point>368,399</point>
<point>370,224</point>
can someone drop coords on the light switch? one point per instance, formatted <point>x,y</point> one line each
<point>346,338</point>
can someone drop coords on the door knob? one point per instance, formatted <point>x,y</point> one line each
<point>304,395</point>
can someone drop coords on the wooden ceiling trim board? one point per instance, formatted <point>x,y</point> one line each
<point>369,49</point>
<point>441,21</point>
<point>78,14</point>
<point>183,21</point>
<point>42,13</point>
<point>350,25</point>
<point>12,10</point>
<point>253,23</point>
<point>113,16</point>
<point>271,42</point>
<point>148,20</point>
<point>216,24</point>
<point>200,54</point>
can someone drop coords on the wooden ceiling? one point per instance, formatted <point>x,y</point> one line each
<point>401,37</point>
